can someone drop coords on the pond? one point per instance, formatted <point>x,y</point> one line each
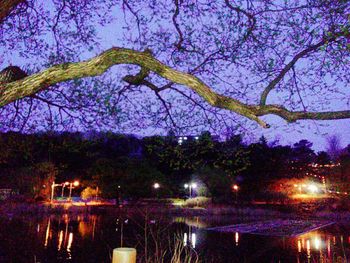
<point>90,238</point>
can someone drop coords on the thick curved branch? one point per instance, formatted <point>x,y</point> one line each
<point>7,6</point>
<point>292,116</point>
<point>98,65</point>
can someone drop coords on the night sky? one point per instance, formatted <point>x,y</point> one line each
<point>315,131</point>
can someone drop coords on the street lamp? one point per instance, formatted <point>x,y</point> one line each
<point>53,190</point>
<point>156,187</point>
<point>75,183</point>
<point>191,186</point>
<point>64,185</point>
<point>235,189</point>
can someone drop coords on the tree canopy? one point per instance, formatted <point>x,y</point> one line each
<point>180,64</point>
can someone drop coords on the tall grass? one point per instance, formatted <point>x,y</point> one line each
<point>157,243</point>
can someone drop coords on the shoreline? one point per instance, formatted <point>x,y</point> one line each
<point>17,209</point>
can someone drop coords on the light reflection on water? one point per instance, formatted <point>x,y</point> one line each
<point>324,246</point>
<point>72,238</point>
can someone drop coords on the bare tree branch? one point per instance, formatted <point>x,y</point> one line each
<point>291,64</point>
<point>177,11</point>
<point>98,65</point>
<point>251,18</point>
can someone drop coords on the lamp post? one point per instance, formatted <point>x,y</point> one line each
<point>191,186</point>
<point>75,183</point>
<point>53,190</point>
<point>63,185</point>
<point>156,187</point>
<point>235,188</point>
<point>118,197</point>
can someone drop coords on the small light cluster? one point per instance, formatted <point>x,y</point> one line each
<point>181,139</point>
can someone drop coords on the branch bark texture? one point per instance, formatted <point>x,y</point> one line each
<point>7,6</point>
<point>98,65</point>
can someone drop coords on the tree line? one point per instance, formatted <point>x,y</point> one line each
<point>118,163</point>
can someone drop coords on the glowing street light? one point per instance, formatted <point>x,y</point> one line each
<point>63,186</point>
<point>75,184</point>
<point>156,186</point>
<point>53,191</point>
<point>313,188</point>
<point>190,186</point>
<point>235,188</point>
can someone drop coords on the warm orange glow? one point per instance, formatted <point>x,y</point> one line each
<point>76,183</point>
<point>60,240</point>
<point>235,187</point>
<point>47,233</point>
<point>308,196</point>
<point>70,241</point>
<point>308,248</point>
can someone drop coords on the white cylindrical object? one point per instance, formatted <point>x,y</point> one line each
<point>124,255</point>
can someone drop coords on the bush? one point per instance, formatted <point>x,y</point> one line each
<point>199,201</point>
<point>89,193</point>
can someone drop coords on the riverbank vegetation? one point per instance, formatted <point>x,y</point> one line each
<point>126,167</point>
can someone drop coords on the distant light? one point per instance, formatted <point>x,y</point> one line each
<point>156,186</point>
<point>185,138</point>
<point>196,138</point>
<point>76,183</point>
<point>313,188</point>
<point>186,185</point>
<point>235,187</point>
<point>317,243</point>
<point>194,185</point>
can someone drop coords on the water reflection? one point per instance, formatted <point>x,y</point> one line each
<point>59,232</point>
<point>236,238</point>
<point>75,238</point>
<point>190,231</point>
<point>320,246</point>
<point>190,237</point>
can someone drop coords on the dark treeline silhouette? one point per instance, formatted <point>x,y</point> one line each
<point>29,163</point>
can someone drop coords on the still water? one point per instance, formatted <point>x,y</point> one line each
<point>91,238</point>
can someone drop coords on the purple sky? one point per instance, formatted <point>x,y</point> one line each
<point>314,131</point>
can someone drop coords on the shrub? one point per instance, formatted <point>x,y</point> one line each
<point>199,201</point>
<point>89,193</point>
